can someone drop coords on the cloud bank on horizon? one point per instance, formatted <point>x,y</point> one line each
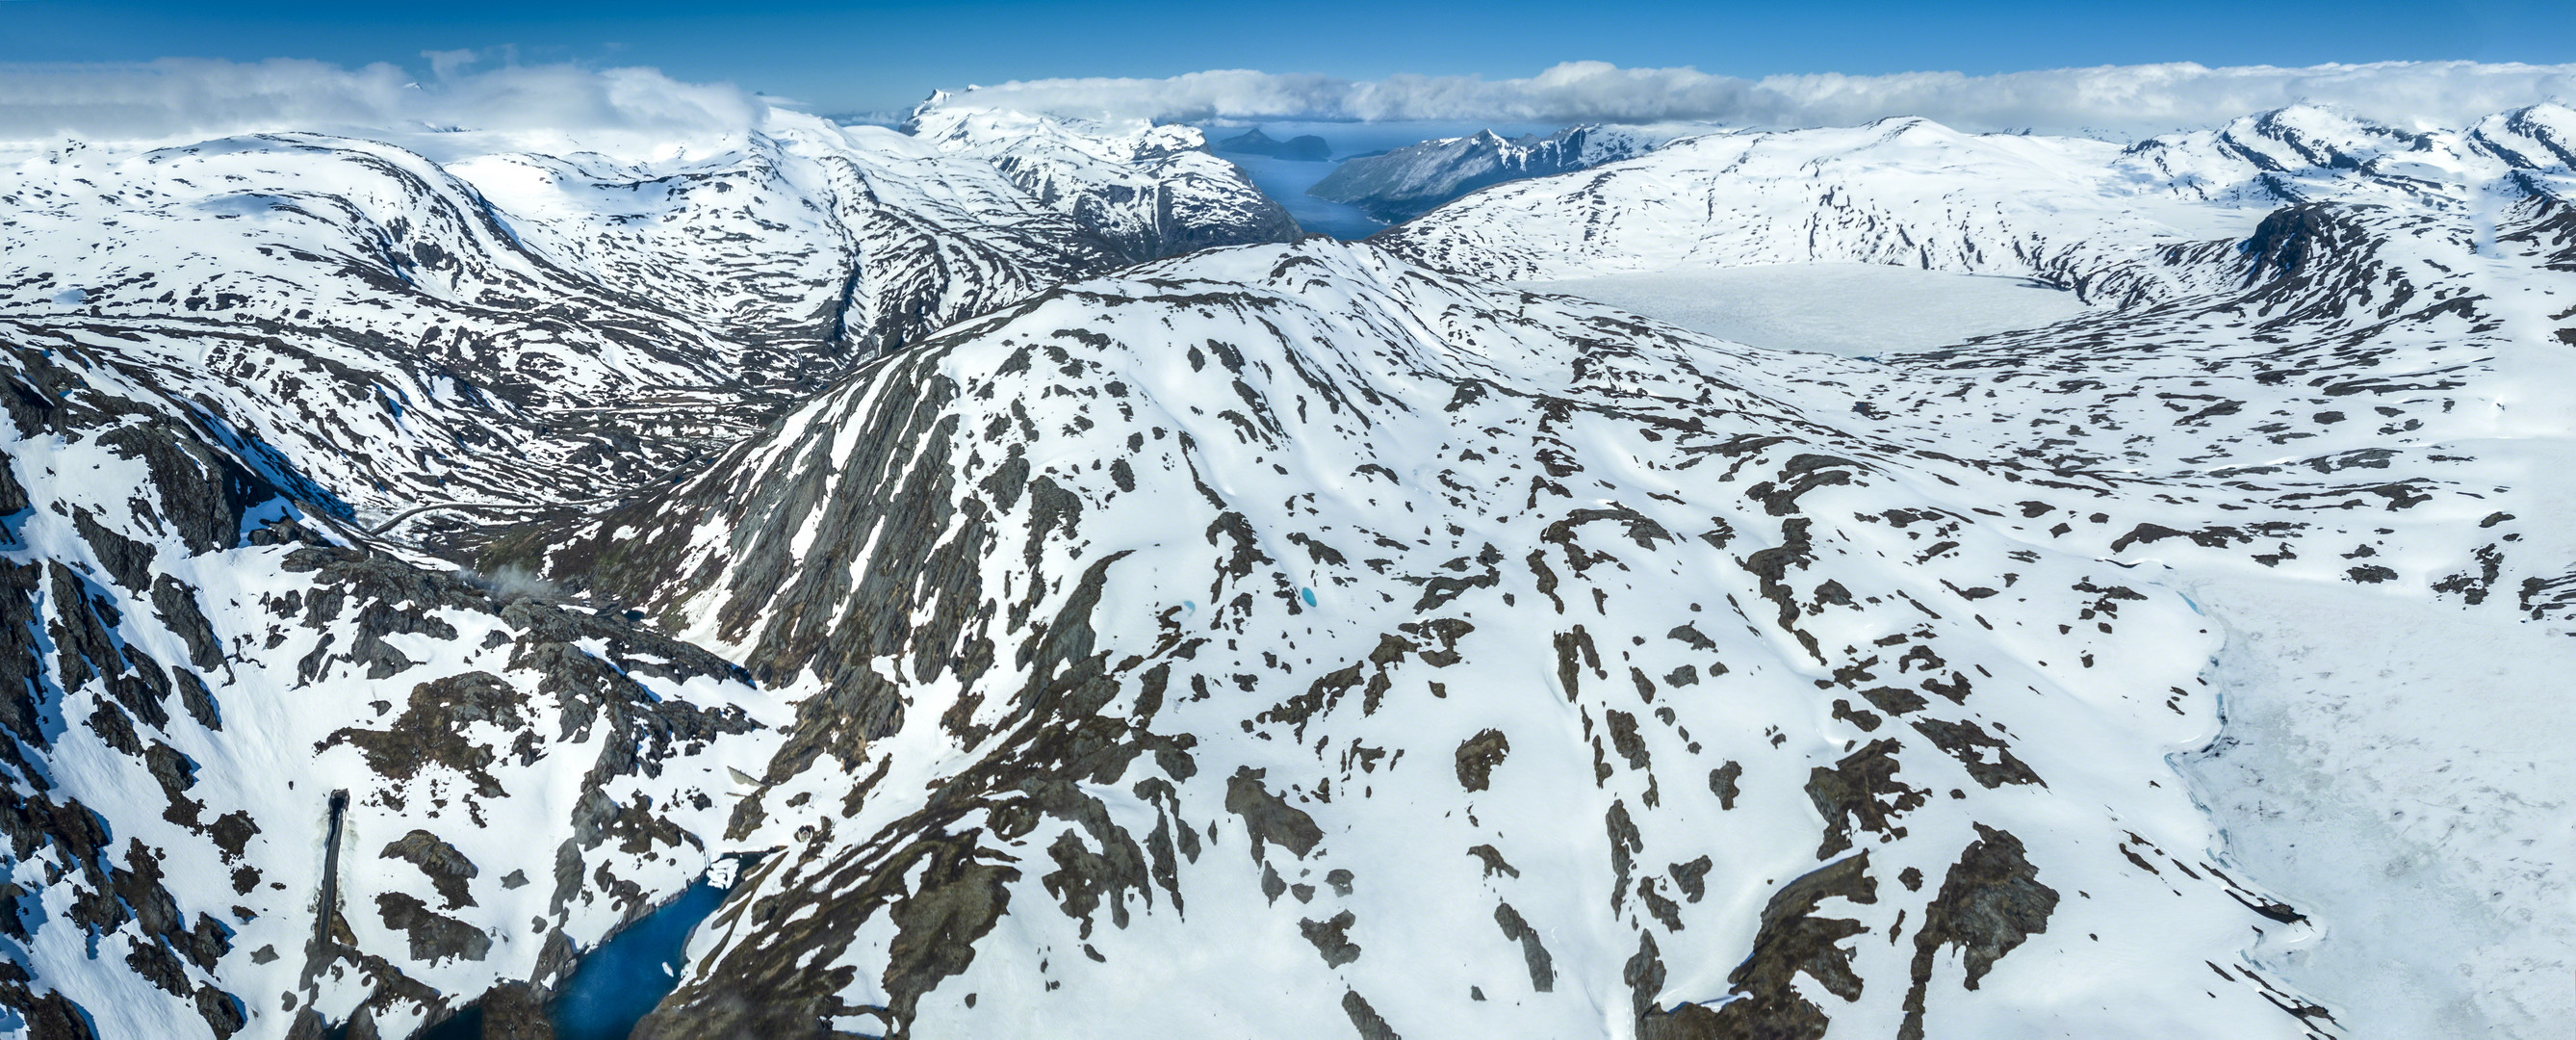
<point>2115,99</point>
<point>192,97</point>
<point>182,97</point>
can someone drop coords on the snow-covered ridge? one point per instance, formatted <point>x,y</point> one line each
<point>1146,191</point>
<point>501,324</point>
<point>1256,579</point>
<point>2081,213</point>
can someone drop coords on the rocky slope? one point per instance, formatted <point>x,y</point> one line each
<point>262,776</point>
<point>1117,614</point>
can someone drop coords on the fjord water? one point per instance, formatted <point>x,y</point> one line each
<point>1286,180</point>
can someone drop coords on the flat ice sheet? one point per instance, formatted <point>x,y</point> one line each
<point>2398,770</point>
<point>1850,309</point>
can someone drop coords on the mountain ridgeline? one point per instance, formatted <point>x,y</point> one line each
<point>1087,606</point>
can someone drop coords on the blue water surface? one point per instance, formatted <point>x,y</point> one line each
<point>616,985</point>
<point>1286,181</point>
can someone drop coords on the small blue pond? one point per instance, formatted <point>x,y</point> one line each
<point>616,985</point>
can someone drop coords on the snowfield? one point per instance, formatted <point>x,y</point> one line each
<point>1850,582</point>
<point>2396,772</point>
<point>1855,310</point>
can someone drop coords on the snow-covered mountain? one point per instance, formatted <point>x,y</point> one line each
<point>2307,153</point>
<point>1145,191</point>
<point>1051,632</point>
<point>229,363</point>
<point>502,326</point>
<point>2085,214</point>
<point>1407,182</point>
<point>1191,560</point>
<point>224,711</point>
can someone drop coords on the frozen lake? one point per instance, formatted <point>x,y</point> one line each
<point>1848,309</point>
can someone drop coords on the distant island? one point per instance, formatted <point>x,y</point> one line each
<point>1302,148</point>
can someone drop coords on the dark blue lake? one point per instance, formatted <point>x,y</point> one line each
<point>616,985</point>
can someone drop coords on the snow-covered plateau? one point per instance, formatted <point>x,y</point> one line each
<point>2073,589</point>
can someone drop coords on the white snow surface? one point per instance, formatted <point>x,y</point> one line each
<point>1855,310</point>
<point>2399,773</point>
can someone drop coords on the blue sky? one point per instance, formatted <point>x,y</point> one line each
<point>875,57</point>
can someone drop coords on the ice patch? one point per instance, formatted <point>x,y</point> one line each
<point>2398,772</point>
<point>1854,310</point>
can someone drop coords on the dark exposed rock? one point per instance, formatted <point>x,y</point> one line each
<point>1365,1018</point>
<point>432,935</point>
<point>1990,901</point>
<point>1477,757</point>
<point>1692,877</point>
<point>447,868</point>
<point>1721,782</point>
<point>514,1011</point>
<point>1970,744</point>
<point>1268,817</point>
<point>1542,968</point>
<point>1792,941</point>
<point>1861,791</point>
<point>1331,938</point>
<point>430,729</point>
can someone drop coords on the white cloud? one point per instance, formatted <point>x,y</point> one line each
<point>203,98</point>
<point>2125,99</point>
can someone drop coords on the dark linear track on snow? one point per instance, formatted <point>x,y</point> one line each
<point>330,875</point>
